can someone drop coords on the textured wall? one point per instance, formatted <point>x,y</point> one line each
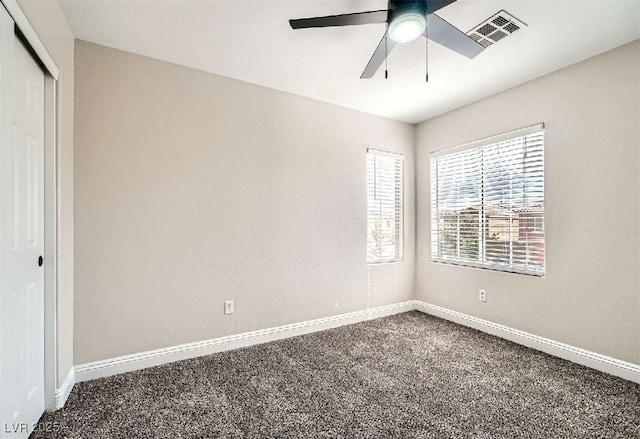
<point>590,296</point>
<point>47,19</point>
<point>191,188</point>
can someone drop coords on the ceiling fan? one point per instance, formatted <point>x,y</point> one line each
<point>406,20</point>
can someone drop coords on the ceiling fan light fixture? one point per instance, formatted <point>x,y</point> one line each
<point>407,27</point>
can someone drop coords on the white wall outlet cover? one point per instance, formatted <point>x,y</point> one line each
<point>228,307</point>
<point>482,295</point>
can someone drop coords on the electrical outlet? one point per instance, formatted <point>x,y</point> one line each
<point>482,295</point>
<point>228,306</point>
<point>335,305</point>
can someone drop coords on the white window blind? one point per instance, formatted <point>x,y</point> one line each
<point>384,206</point>
<point>487,203</point>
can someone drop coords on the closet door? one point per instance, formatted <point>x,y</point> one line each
<point>21,235</point>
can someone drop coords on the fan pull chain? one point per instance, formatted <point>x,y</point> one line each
<point>426,49</point>
<point>386,53</point>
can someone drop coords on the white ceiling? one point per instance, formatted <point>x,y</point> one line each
<point>251,40</point>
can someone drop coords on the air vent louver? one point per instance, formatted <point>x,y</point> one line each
<point>500,21</point>
<point>486,29</point>
<point>495,28</point>
<point>512,27</point>
<point>497,36</point>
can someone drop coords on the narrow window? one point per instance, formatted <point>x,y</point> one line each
<point>487,203</point>
<point>384,206</point>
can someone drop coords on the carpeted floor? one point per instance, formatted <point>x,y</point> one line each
<point>405,376</point>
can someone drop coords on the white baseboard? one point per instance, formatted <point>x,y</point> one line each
<point>619,368</point>
<point>62,392</point>
<point>128,363</point>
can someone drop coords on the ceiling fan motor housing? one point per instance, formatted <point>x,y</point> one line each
<point>406,20</point>
<point>401,7</point>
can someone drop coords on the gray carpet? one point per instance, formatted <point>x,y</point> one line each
<point>405,376</point>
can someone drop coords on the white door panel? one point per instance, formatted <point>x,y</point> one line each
<point>21,235</point>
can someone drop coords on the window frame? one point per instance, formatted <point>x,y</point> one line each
<point>400,241</point>
<point>482,226</point>
<point>538,224</point>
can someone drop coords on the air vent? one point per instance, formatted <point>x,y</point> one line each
<point>495,28</point>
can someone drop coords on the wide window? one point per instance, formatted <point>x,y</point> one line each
<point>384,206</point>
<point>487,203</point>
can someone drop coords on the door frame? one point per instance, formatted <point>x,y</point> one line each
<point>28,35</point>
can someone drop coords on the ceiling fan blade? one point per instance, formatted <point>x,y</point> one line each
<point>378,57</point>
<point>434,5</point>
<point>341,20</point>
<point>446,34</point>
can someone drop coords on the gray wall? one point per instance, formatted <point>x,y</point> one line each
<point>48,21</point>
<point>191,189</point>
<point>590,296</point>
